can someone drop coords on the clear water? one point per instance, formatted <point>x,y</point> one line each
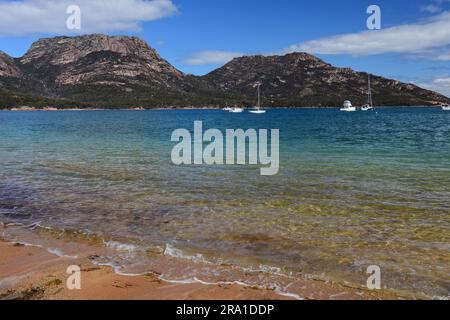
<point>354,190</point>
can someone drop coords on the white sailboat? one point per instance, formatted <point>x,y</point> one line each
<point>348,107</point>
<point>257,109</point>
<point>445,107</point>
<point>369,105</point>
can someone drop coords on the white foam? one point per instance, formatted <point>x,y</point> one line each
<point>288,294</point>
<point>32,226</point>
<point>174,252</point>
<point>60,254</point>
<point>117,269</point>
<point>120,246</point>
<point>171,251</point>
<point>441,298</point>
<point>13,224</point>
<point>53,251</point>
<point>192,280</point>
<point>265,269</point>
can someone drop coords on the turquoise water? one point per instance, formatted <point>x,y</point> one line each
<point>353,190</point>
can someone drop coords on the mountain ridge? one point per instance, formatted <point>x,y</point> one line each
<point>309,79</point>
<point>118,71</point>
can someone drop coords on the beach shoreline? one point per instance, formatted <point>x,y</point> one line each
<point>33,272</point>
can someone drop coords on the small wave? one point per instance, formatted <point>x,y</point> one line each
<point>192,280</point>
<point>121,246</point>
<point>441,298</point>
<point>60,254</point>
<point>13,224</point>
<point>117,269</point>
<point>265,269</point>
<point>280,292</point>
<point>171,251</point>
<point>174,252</point>
<point>33,226</point>
<point>206,283</point>
<point>53,251</point>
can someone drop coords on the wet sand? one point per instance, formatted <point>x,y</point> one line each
<point>32,273</point>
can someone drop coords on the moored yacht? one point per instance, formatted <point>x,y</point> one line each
<point>369,105</point>
<point>257,109</point>
<point>348,107</point>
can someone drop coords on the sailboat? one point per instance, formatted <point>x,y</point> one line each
<point>369,105</point>
<point>257,109</point>
<point>445,107</point>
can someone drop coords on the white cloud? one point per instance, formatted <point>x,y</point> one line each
<point>211,57</point>
<point>410,38</point>
<point>443,57</point>
<point>435,7</point>
<point>441,85</point>
<point>442,82</point>
<point>432,8</point>
<point>29,17</point>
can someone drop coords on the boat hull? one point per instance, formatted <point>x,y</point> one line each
<point>257,111</point>
<point>349,109</point>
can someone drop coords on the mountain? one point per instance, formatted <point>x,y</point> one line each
<point>10,72</point>
<point>300,79</point>
<point>97,68</point>
<point>8,67</point>
<point>119,71</point>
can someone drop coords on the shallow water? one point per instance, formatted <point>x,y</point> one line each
<point>354,190</point>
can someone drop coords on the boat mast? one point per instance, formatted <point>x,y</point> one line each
<point>370,93</point>
<point>259,97</point>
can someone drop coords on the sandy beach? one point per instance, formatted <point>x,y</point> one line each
<point>32,273</point>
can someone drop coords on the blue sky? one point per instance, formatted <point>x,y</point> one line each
<point>198,36</point>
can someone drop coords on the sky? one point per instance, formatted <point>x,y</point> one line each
<point>197,36</point>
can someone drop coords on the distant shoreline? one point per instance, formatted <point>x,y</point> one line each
<point>184,108</point>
